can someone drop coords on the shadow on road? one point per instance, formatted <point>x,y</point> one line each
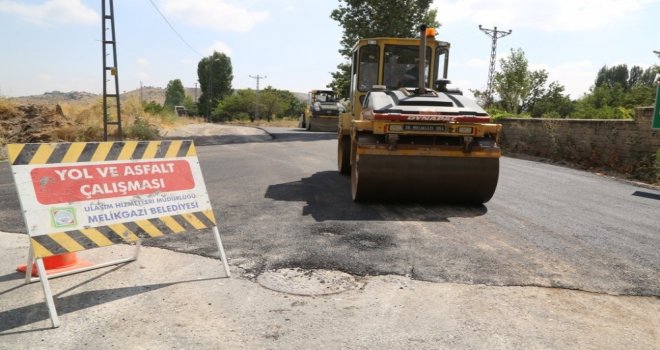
<point>291,135</point>
<point>274,135</point>
<point>645,194</point>
<point>11,216</point>
<point>29,314</point>
<point>222,139</point>
<point>328,197</point>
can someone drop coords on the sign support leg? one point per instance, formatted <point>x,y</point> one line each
<point>47,293</point>
<point>222,250</point>
<point>138,245</point>
<point>28,267</point>
<point>28,273</point>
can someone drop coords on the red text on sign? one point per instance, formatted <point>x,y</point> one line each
<point>90,182</point>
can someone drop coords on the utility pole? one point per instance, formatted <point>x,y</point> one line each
<point>112,43</point>
<point>494,34</point>
<point>256,103</point>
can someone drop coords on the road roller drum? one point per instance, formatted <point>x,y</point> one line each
<point>467,180</point>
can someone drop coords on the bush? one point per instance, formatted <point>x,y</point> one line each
<point>242,116</point>
<point>499,114</point>
<point>152,107</point>
<point>142,130</point>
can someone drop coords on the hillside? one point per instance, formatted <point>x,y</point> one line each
<point>147,93</point>
<point>55,97</point>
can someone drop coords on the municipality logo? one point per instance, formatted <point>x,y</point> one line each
<point>63,217</point>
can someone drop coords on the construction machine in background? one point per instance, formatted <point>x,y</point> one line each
<point>322,111</point>
<point>410,139</point>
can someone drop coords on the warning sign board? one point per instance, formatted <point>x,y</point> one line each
<point>77,196</point>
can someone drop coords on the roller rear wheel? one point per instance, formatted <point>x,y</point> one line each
<point>357,189</point>
<point>344,155</point>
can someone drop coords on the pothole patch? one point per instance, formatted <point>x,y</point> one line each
<point>307,282</point>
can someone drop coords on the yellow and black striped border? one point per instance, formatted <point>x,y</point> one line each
<point>77,240</point>
<point>82,152</point>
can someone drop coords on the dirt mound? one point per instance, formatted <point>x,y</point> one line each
<point>34,123</point>
<point>31,123</point>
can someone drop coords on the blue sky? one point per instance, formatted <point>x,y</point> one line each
<point>55,44</point>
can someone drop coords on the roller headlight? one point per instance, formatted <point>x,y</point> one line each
<point>465,129</point>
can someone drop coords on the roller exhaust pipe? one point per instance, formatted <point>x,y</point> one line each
<point>422,59</point>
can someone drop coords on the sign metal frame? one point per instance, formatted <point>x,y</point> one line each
<point>97,194</point>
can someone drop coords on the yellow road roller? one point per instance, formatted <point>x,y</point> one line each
<point>322,111</point>
<point>410,139</point>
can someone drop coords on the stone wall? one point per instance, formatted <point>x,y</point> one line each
<point>628,146</point>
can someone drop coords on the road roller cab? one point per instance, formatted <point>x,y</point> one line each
<point>411,139</point>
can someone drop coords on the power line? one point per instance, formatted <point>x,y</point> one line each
<point>174,30</point>
<point>494,34</point>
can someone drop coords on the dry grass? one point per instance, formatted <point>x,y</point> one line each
<point>83,121</point>
<point>89,117</point>
<point>287,122</point>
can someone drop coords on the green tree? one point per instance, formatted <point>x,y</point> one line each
<point>341,79</point>
<point>616,75</point>
<point>271,103</point>
<point>523,91</point>
<point>376,18</point>
<point>626,78</point>
<point>635,76</point>
<point>292,105</point>
<point>236,106</point>
<point>617,90</point>
<point>174,94</point>
<point>649,76</point>
<point>537,89</point>
<point>553,103</point>
<point>215,77</point>
<point>513,83</point>
<point>373,18</point>
<point>191,106</point>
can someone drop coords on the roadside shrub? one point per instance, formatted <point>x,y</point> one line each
<point>241,117</point>
<point>152,107</point>
<point>499,114</point>
<point>142,130</point>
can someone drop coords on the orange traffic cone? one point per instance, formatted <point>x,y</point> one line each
<point>56,264</point>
